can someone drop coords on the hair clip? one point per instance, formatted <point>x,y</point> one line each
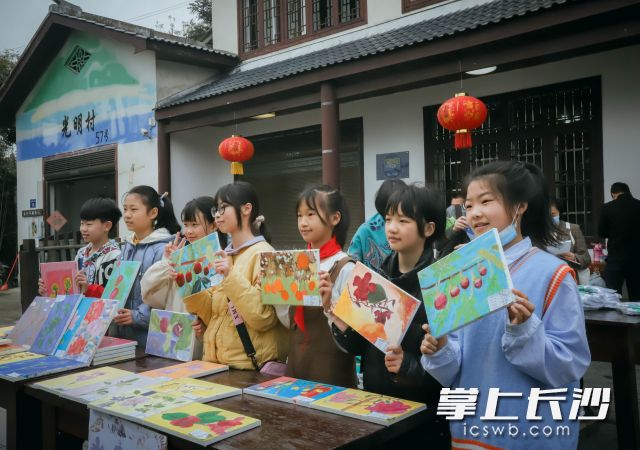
<point>162,197</point>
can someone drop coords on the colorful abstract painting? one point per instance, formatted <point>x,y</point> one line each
<point>290,277</point>
<point>78,380</point>
<point>31,321</point>
<point>368,406</point>
<point>196,390</point>
<point>10,349</point>
<point>4,331</point>
<point>292,390</point>
<point>376,308</point>
<point>55,325</point>
<point>136,406</point>
<point>171,335</point>
<point>83,344</point>
<point>59,277</point>
<point>466,285</point>
<point>194,265</point>
<point>121,281</point>
<point>191,369</point>
<point>18,356</point>
<point>202,424</point>
<point>37,367</point>
<point>107,432</point>
<point>126,384</point>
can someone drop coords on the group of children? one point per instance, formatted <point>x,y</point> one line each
<point>538,342</point>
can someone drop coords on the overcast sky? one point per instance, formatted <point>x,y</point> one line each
<point>19,19</point>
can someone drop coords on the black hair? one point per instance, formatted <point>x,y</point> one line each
<point>620,188</point>
<point>151,199</point>
<point>553,203</point>
<point>519,182</point>
<point>102,209</point>
<point>422,204</point>
<point>456,195</point>
<point>240,193</point>
<point>204,206</point>
<point>387,188</point>
<point>326,200</point>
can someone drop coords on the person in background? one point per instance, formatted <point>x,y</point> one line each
<point>95,260</point>
<point>369,244</point>
<point>456,229</point>
<point>578,256</point>
<point>620,224</point>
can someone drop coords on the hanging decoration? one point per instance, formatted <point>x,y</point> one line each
<point>237,150</point>
<point>462,114</point>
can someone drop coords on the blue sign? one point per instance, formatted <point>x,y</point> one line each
<point>32,203</point>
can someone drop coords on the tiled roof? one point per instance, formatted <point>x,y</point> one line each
<point>73,12</point>
<point>427,30</point>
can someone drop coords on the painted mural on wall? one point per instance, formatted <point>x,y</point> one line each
<point>95,92</point>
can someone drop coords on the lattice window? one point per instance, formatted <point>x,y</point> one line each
<point>77,59</point>
<point>296,18</point>
<point>349,10</point>
<point>322,11</point>
<point>271,22</point>
<point>250,24</point>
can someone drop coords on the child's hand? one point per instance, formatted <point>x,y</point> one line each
<point>171,247</point>
<point>325,288</point>
<point>393,358</point>
<point>173,274</point>
<point>81,281</point>
<point>124,317</point>
<point>521,309</point>
<point>461,223</point>
<point>223,264</point>
<point>430,345</point>
<point>198,327</point>
<point>42,288</point>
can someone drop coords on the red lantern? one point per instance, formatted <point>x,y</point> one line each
<point>237,150</point>
<point>461,114</point>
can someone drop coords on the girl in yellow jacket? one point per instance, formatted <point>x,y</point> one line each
<point>237,213</point>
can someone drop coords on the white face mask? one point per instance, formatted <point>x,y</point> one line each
<point>556,220</point>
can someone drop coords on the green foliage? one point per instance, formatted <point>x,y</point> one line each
<point>210,417</point>
<point>174,416</point>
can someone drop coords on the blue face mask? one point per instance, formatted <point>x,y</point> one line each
<point>508,234</point>
<point>556,220</point>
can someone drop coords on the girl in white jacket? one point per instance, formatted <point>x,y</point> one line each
<point>159,289</point>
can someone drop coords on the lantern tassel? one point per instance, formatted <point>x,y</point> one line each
<point>237,168</point>
<point>462,139</point>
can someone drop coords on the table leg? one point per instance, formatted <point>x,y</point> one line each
<point>625,391</point>
<point>8,402</point>
<point>49,433</point>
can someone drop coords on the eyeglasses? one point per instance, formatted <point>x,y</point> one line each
<point>219,210</point>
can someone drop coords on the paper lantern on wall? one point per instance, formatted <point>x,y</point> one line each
<point>462,114</point>
<point>237,150</point>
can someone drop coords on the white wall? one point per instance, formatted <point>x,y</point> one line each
<point>393,123</point>
<point>29,174</point>
<point>173,77</point>
<point>225,25</point>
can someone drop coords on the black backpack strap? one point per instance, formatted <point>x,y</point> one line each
<point>337,267</point>
<point>243,333</point>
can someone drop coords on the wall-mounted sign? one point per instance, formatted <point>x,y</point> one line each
<point>32,212</point>
<point>392,165</point>
<point>32,203</point>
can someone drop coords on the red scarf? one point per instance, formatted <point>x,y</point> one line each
<point>329,249</point>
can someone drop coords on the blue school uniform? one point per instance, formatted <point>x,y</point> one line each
<point>548,351</point>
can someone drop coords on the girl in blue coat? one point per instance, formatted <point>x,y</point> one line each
<point>151,219</point>
<point>538,342</point>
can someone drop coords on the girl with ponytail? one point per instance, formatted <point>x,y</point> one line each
<point>235,306</point>
<point>149,216</point>
<point>539,341</point>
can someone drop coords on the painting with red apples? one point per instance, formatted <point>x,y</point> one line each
<point>121,281</point>
<point>194,265</point>
<point>376,308</point>
<point>466,285</point>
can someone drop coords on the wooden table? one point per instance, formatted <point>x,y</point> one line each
<point>284,425</point>
<point>615,337</point>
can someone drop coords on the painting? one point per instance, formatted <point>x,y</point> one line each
<point>126,384</point>
<point>376,308</point>
<point>171,335</point>
<point>26,329</point>
<point>80,379</point>
<point>84,342</point>
<point>10,349</point>
<point>59,277</point>
<point>121,281</point>
<point>138,405</point>
<point>466,285</point>
<point>37,367</point>
<point>196,390</point>
<point>17,357</point>
<point>194,265</point>
<point>55,325</point>
<point>290,277</point>
<point>191,369</point>
<point>202,424</point>
<point>107,432</point>
<point>292,390</point>
<point>4,331</point>
<point>368,406</point>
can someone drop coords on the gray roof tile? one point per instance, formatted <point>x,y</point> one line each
<point>427,30</point>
